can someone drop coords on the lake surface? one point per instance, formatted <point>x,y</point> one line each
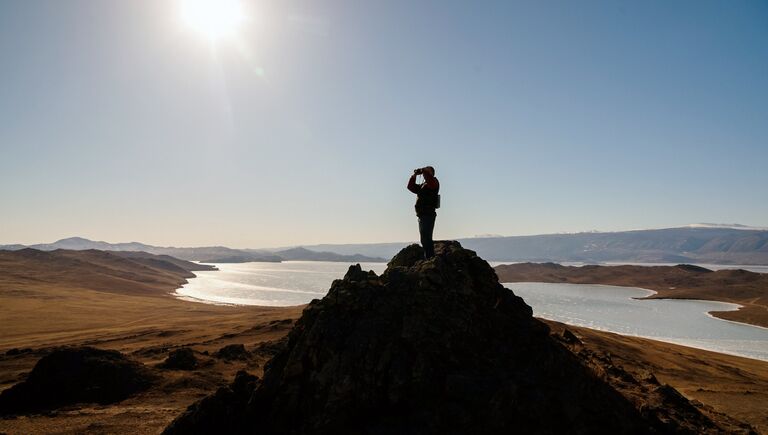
<point>601,307</point>
<point>268,284</point>
<point>611,308</point>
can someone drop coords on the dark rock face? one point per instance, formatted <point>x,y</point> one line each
<point>18,351</point>
<point>270,348</point>
<point>180,359</point>
<point>431,346</point>
<point>233,352</point>
<point>76,375</point>
<point>220,413</point>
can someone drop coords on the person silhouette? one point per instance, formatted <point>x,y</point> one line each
<point>427,202</point>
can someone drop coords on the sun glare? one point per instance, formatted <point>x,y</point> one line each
<point>215,19</point>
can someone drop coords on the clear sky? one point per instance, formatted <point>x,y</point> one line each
<point>119,121</point>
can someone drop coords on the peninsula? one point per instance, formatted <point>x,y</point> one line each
<point>684,281</point>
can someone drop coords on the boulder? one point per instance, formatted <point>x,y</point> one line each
<point>76,375</point>
<point>270,348</point>
<point>180,359</point>
<point>233,352</point>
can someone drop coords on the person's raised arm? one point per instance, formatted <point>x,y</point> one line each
<point>430,180</point>
<point>412,186</point>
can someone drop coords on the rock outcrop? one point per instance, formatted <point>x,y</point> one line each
<point>233,352</point>
<point>430,346</point>
<point>220,413</point>
<point>180,359</point>
<point>76,375</point>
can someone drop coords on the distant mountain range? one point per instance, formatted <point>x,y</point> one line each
<point>731,226</point>
<point>704,243</point>
<point>700,243</point>
<point>207,254</point>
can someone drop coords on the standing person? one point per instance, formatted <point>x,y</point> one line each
<point>427,201</point>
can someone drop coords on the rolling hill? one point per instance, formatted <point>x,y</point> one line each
<point>31,271</point>
<point>205,254</point>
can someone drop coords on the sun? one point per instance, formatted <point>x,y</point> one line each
<point>215,19</point>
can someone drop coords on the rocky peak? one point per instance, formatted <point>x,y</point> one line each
<point>430,346</point>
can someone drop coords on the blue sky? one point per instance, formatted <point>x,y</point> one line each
<point>119,123</point>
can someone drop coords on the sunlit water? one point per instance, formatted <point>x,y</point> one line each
<point>268,284</point>
<point>595,306</point>
<point>611,308</point>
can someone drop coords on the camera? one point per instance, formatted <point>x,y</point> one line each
<point>418,171</point>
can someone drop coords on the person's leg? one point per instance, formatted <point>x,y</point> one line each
<point>426,228</point>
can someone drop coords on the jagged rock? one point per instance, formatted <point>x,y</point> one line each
<point>180,359</point>
<point>569,337</point>
<point>649,378</point>
<point>278,324</point>
<point>407,257</point>
<point>431,346</point>
<point>16,351</point>
<point>233,352</point>
<point>271,347</point>
<point>76,375</point>
<point>221,412</point>
<point>356,273</point>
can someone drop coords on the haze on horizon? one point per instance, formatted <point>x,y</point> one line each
<point>299,122</point>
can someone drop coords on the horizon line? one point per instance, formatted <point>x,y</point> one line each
<point>734,226</point>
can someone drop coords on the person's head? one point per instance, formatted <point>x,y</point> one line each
<point>430,169</point>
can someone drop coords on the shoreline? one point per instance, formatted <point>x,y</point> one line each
<point>700,343</point>
<point>710,314</point>
<point>713,314</point>
<point>655,296</point>
<point>749,290</point>
<point>665,340</point>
